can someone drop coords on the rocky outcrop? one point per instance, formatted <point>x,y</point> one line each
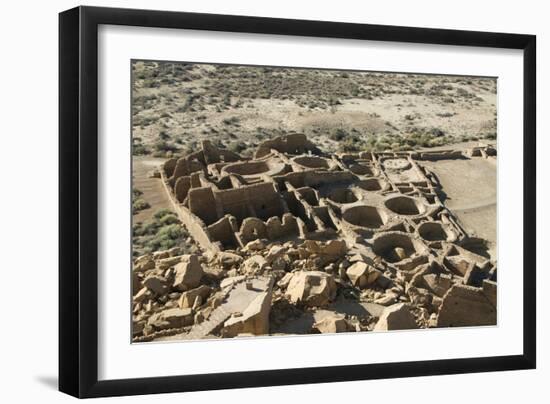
<point>253,320</point>
<point>311,288</point>
<point>332,324</point>
<point>188,273</point>
<point>396,317</point>
<point>194,297</point>
<point>361,274</point>
<point>466,305</point>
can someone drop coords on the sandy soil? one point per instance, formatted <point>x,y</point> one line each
<point>153,191</point>
<point>470,187</point>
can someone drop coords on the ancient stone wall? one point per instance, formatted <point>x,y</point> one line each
<point>343,234</point>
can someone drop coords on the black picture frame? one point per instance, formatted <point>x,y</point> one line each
<point>78,196</point>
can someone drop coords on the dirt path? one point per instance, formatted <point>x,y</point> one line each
<point>153,192</point>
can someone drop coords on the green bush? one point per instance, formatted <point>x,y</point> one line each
<point>231,121</point>
<point>163,135</point>
<point>139,150</point>
<point>349,145</point>
<point>436,132</point>
<point>188,103</point>
<point>338,135</point>
<point>164,146</point>
<point>171,231</point>
<point>159,214</point>
<point>138,205</point>
<point>227,99</point>
<point>168,219</point>
<point>237,147</point>
<point>162,232</point>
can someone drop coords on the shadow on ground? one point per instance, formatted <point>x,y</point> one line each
<point>48,381</point>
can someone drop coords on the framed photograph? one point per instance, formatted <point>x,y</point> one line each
<point>250,201</point>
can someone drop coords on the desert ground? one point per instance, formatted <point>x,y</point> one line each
<point>176,107</point>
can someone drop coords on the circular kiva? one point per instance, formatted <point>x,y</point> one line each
<point>365,216</point>
<point>372,184</point>
<point>360,169</point>
<point>397,164</point>
<point>312,162</point>
<point>405,205</point>
<point>252,168</point>
<point>342,195</point>
<point>394,247</point>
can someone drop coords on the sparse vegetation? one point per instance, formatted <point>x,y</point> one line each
<point>162,232</point>
<point>445,114</point>
<point>138,203</point>
<point>175,105</point>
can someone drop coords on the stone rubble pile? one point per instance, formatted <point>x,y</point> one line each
<point>304,287</point>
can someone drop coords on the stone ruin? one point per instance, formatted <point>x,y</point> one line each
<point>295,241</point>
